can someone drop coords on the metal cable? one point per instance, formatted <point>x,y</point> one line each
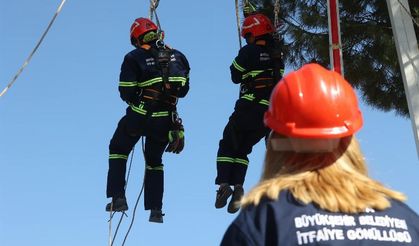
<point>34,50</point>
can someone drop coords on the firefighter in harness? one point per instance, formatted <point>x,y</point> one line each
<point>254,69</point>
<point>152,78</point>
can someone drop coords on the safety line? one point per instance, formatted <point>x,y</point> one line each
<point>153,6</point>
<point>34,50</point>
<point>110,225</point>
<point>112,239</point>
<point>238,22</point>
<point>138,198</point>
<point>277,10</point>
<point>409,13</point>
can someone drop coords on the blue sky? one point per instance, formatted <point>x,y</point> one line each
<point>57,120</point>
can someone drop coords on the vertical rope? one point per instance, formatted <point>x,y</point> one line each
<point>238,22</point>
<point>153,6</point>
<point>34,50</point>
<point>408,12</point>
<point>277,9</point>
<point>112,213</point>
<point>139,195</point>
<point>110,226</point>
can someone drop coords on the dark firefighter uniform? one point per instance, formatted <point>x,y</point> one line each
<point>152,107</point>
<point>253,70</point>
<point>288,222</point>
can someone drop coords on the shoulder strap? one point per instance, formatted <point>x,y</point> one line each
<point>162,57</point>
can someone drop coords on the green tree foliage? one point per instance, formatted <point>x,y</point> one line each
<point>369,53</point>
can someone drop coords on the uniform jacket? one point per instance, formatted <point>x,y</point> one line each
<point>140,70</point>
<point>251,68</point>
<point>287,221</point>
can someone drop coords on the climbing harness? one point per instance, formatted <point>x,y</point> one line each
<point>34,50</point>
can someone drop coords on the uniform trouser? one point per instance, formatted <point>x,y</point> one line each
<point>130,128</point>
<point>244,129</point>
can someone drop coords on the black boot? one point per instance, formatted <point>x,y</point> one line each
<point>223,193</point>
<point>118,204</point>
<point>234,204</point>
<point>156,216</point>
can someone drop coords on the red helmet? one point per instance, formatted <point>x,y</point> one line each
<point>257,25</point>
<point>142,26</point>
<point>314,102</point>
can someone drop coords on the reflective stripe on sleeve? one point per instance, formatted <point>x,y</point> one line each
<point>238,67</point>
<point>127,84</point>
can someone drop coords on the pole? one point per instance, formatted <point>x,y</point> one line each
<point>408,55</point>
<point>335,43</point>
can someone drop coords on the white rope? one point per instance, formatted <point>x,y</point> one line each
<point>34,50</point>
<point>153,6</point>
<point>238,21</point>
<point>277,9</point>
<point>110,225</point>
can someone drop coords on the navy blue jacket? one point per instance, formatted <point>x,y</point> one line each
<point>140,70</point>
<point>288,222</point>
<point>252,68</point>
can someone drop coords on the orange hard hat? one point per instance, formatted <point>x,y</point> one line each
<point>314,102</point>
<point>257,25</point>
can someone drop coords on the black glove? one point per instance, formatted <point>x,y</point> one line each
<point>176,137</point>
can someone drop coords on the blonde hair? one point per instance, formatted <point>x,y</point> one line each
<point>336,181</point>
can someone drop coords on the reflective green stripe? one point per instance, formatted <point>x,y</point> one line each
<point>127,84</point>
<point>237,66</point>
<point>178,79</point>
<point>139,109</point>
<point>249,97</point>
<point>264,102</point>
<point>150,82</point>
<point>142,111</point>
<point>252,74</point>
<point>158,168</point>
<point>225,159</point>
<point>160,114</point>
<point>241,161</point>
<point>282,71</point>
<point>255,73</point>
<point>118,156</point>
<point>232,160</point>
